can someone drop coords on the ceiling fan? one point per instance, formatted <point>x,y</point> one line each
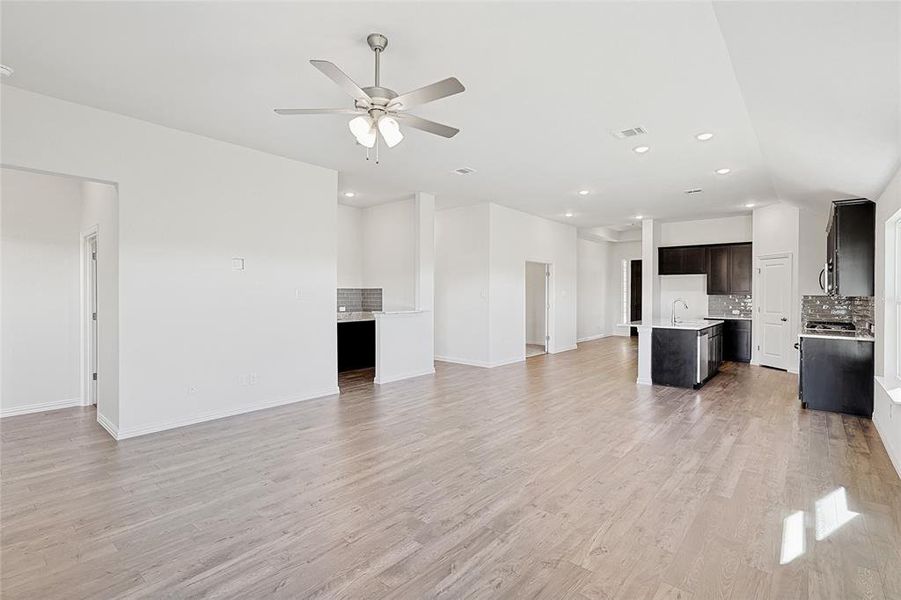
<point>378,108</point>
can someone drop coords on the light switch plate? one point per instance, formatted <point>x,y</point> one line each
<point>237,264</point>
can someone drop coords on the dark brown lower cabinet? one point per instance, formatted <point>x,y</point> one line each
<point>736,339</point>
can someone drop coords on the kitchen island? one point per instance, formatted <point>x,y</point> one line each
<point>685,353</point>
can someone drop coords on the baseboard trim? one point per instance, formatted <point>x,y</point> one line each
<point>130,432</point>
<point>640,381</point>
<point>893,455</point>
<point>382,381</point>
<point>108,425</point>
<point>463,361</point>
<point>565,349</point>
<point>478,363</point>
<point>39,407</point>
<point>591,338</point>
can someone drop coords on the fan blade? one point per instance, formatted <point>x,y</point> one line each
<point>426,125</point>
<point>318,111</point>
<point>436,91</point>
<point>338,76</point>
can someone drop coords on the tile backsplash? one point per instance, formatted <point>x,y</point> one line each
<point>360,299</point>
<point>859,310</point>
<point>727,305</point>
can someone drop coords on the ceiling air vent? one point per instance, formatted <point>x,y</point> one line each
<point>629,133</point>
<point>464,171</point>
<point>694,191</point>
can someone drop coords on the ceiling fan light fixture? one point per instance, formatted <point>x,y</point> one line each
<point>363,129</point>
<point>390,130</point>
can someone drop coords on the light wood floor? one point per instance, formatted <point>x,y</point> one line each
<point>554,478</point>
<point>534,350</point>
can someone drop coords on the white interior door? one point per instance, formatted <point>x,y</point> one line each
<point>774,310</point>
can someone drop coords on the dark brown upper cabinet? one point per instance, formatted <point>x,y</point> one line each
<point>741,269</point>
<point>728,266</point>
<point>729,269</point>
<point>851,248</point>
<point>719,265</point>
<point>682,260</point>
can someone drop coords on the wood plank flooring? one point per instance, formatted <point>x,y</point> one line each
<point>554,478</point>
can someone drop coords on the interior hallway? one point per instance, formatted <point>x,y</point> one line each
<point>558,477</point>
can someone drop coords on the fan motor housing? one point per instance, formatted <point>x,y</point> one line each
<point>377,41</point>
<point>381,96</point>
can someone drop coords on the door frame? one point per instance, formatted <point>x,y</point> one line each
<point>90,329</point>
<point>756,320</point>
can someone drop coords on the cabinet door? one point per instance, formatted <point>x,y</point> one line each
<point>669,261</point>
<point>694,260</point>
<point>740,269</point>
<point>718,266</point>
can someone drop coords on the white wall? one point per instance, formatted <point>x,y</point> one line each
<point>887,391</point>
<point>481,256</point>
<point>691,288</point>
<point>536,315</point>
<point>723,230</point>
<point>596,275</point>
<point>41,217</point>
<point>101,214</point>
<point>515,238</point>
<point>350,246</point>
<point>191,328</point>
<point>461,285</point>
<point>389,252</point>
<point>776,231</point>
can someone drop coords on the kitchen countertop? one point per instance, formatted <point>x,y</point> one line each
<point>857,336</point>
<point>685,325</point>
<point>729,318</point>
<point>354,317</point>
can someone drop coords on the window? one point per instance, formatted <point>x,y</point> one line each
<point>893,303</point>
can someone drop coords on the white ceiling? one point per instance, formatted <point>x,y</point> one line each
<point>803,97</point>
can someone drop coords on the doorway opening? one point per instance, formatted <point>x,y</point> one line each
<point>634,294</point>
<point>537,308</point>
<point>59,239</point>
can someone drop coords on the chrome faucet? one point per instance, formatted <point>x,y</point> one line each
<point>684,305</point>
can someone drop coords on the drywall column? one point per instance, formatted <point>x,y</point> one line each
<point>650,297</point>
<point>424,247</point>
<point>424,265</point>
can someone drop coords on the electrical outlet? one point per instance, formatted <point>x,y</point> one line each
<point>253,379</point>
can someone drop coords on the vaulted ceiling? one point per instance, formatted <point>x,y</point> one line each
<point>802,98</point>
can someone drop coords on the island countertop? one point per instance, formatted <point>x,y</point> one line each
<point>691,325</point>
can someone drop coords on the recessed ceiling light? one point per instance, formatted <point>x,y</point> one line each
<point>349,194</point>
<point>464,171</point>
<point>639,217</point>
<point>569,213</point>
<point>723,171</point>
<point>5,71</point>
<point>641,149</point>
<point>584,192</point>
<point>703,137</point>
<point>749,205</point>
